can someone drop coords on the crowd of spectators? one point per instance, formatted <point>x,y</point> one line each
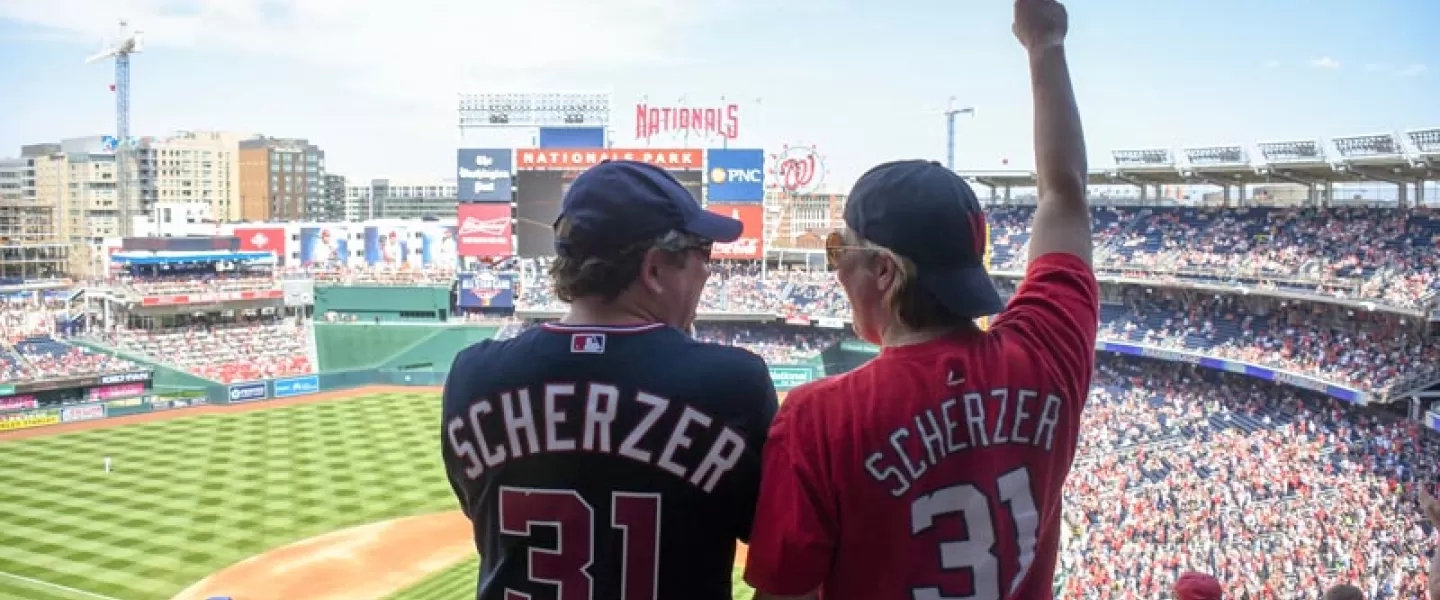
<point>197,282</point>
<point>29,350</point>
<point>403,275</point>
<point>1373,351</point>
<point>1384,255</point>
<point>227,351</point>
<point>1278,492</point>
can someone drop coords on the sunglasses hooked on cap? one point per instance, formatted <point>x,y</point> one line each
<point>929,215</point>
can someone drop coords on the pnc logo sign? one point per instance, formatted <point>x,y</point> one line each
<point>721,175</point>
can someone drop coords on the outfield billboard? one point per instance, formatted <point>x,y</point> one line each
<point>554,159</point>
<point>263,239</point>
<point>26,420</point>
<point>247,392</point>
<point>735,176</point>
<point>487,289</point>
<point>18,402</point>
<point>537,204</point>
<point>786,377</point>
<point>751,243</point>
<point>484,231</point>
<point>296,386</point>
<point>325,246</point>
<point>88,412</point>
<point>483,175</point>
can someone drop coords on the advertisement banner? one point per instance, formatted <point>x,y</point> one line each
<point>438,246</point>
<point>18,403</point>
<point>131,377</point>
<point>572,137</point>
<point>246,392</point>
<point>483,175</point>
<point>213,298</point>
<point>111,392</point>
<point>325,246</point>
<point>579,159</point>
<point>296,386</point>
<point>82,413</point>
<point>751,244</point>
<point>1433,419</point>
<point>27,420</point>
<point>735,175</point>
<point>484,230</point>
<point>263,239</point>
<point>387,246</point>
<point>791,376</point>
<point>487,289</point>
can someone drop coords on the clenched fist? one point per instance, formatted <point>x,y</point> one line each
<point>1040,24</point>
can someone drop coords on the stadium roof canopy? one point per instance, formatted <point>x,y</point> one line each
<point>1380,157</point>
<point>176,258</point>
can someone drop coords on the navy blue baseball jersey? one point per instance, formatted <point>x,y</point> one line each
<point>606,463</point>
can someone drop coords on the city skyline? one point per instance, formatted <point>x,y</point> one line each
<point>863,84</point>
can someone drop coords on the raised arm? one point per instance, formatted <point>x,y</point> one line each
<point>1062,220</point>
<point>1431,507</point>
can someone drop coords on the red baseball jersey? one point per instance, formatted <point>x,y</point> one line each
<point>935,470</point>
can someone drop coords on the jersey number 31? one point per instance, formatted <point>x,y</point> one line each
<point>976,553</point>
<point>567,565</point>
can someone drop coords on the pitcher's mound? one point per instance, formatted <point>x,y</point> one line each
<point>369,562</point>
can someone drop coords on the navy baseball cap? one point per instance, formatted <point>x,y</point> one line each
<point>620,202</point>
<point>928,214</point>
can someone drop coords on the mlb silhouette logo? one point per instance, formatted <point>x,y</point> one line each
<point>587,343</point>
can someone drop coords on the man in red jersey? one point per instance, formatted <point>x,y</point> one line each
<point>935,470</point>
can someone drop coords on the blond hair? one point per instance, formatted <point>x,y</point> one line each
<point>906,300</point>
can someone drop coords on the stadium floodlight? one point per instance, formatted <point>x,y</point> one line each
<point>1143,159</point>
<point>1426,141</point>
<point>1217,156</point>
<point>1384,145</point>
<point>549,109</point>
<point>1305,151</point>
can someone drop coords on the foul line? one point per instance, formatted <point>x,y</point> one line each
<point>57,586</point>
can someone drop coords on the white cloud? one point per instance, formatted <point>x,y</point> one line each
<point>1325,62</point>
<point>1412,70</point>
<point>484,44</point>
<point>1272,64</point>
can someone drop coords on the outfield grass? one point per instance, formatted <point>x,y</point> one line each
<point>192,495</point>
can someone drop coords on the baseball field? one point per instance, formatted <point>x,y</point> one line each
<point>337,495</point>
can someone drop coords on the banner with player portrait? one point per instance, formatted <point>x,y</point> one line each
<point>328,245</point>
<point>438,246</point>
<point>387,246</point>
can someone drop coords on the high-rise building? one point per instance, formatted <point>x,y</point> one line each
<point>30,245</point>
<point>200,167</point>
<point>281,179</point>
<point>77,177</point>
<point>401,199</point>
<point>334,204</point>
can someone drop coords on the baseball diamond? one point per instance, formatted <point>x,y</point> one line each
<point>279,499</point>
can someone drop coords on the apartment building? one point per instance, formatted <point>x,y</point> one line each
<point>281,179</point>
<point>200,167</point>
<point>333,206</point>
<point>402,199</point>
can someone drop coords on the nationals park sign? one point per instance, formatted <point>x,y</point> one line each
<point>721,121</point>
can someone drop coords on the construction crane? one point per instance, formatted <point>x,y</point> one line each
<point>950,114</point>
<point>127,43</point>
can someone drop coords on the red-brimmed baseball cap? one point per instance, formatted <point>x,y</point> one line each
<point>1197,586</point>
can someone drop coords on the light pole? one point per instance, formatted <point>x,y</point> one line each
<point>950,115</point>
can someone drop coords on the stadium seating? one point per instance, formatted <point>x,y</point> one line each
<point>1278,492</point>
<point>30,353</point>
<point>226,352</point>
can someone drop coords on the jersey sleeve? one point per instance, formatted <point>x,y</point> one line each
<point>1056,315</point>
<point>796,525</point>
<point>754,395</point>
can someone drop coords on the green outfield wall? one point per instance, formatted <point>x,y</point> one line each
<point>384,303</point>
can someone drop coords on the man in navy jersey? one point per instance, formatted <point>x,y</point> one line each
<point>935,470</point>
<point>609,455</point>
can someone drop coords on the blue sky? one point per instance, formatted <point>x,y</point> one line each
<point>374,82</point>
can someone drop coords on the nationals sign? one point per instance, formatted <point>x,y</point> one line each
<point>484,230</point>
<point>797,169</point>
<point>722,121</point>
<point>750,244</point>
<point>579,160</point>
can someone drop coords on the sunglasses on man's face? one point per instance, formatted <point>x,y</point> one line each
<point>835,248</point>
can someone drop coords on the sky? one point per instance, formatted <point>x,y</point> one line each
<point>375,82</point>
